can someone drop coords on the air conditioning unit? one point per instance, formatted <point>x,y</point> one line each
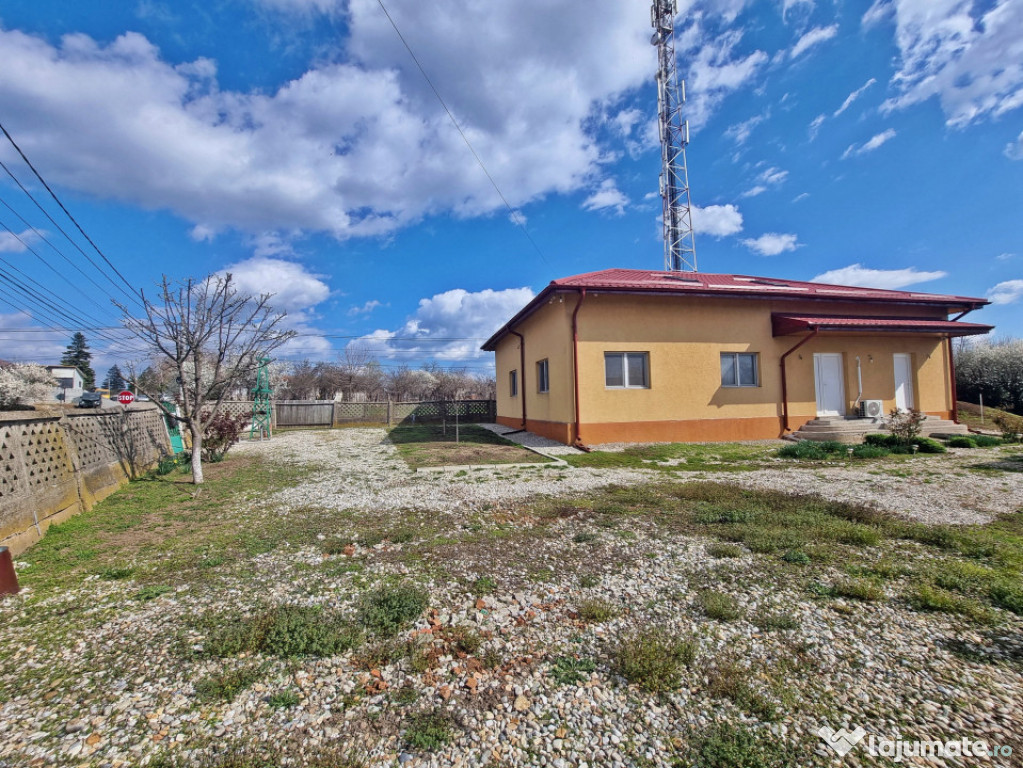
<point>871,409</point>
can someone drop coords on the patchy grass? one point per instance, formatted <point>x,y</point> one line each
<point>736,745</point>
<point>680,457</point>
<point>390,608</point>
<point>597,610</point>
<point>430,730</point>
<point>224,686</point>
<point>432,446</point>
<point>969,414</point>
<point>288,631</point>
<point>653,659</point>
<point>719,606</point>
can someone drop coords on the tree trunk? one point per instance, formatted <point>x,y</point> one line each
<point>196,454</point>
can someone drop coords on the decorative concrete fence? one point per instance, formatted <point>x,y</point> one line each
<point>54,465</point>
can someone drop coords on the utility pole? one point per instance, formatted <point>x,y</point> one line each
<point>679,244</point>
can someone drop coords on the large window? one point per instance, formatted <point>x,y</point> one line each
<point>543,381</point>
<point>513,383</point>
<point>739,369</point>
<point>626,370</point>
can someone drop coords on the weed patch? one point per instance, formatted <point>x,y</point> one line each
<point>429,731</point>
<point>390,609</point>
<point>653,659</point>
<point>569,670</point>
<point>287,631</point>
<point>597,611</point>
<point>719,606</point>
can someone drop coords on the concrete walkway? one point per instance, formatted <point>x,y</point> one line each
<point>534,442</point>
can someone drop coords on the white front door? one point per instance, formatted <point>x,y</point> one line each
<point>903,382</point>
<point>827,379</point>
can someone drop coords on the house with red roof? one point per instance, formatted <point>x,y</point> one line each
<point>627,355</point>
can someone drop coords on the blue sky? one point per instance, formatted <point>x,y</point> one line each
<point>294,143</point>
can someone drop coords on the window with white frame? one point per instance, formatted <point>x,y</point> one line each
<point>543,382</point>
<point>739,369</point>
<point>627,370</point>
<point>513,383</point>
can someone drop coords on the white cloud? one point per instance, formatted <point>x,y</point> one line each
<point>853,96</point>
<point>1005,256</point>
<point>11,243</point>
<point>800,197</point>
<point>858,275</point>
<point>815,125</point>
<point>869,146</point>
<point>716,220</point>
<point>788,5</point>
<point>295,289</point>
<point>1014,149</point>
<point>365,309</point>
<point>773,176</point>
<point>448,326</point>
<point>876,13</point>
<point>1008,292</point>
<point>815,36</point>
<point>714,71</point>
<point>964,53</point>
<point>36,346</point>
<point>772,243</point>
<point>741,132</point>
<point>607,196</point>
<point>753,191</point>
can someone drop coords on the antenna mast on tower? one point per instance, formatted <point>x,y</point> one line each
<point>679,245</point>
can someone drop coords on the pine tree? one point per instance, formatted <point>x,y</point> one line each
<point>114,381</point>
<point>78,355</point>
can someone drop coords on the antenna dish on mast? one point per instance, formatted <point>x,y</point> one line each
<point>679,243</point>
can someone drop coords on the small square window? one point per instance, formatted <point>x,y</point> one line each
<point>739,369</point>
<point>630,370</point>
<point>543,383</point>
<point>513,384</point>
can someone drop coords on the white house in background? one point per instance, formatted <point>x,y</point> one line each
<point>70,382</point>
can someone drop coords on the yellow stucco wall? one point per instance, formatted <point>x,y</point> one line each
<point>685,337</point>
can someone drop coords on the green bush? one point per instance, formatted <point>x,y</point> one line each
<point>390,609</point>
<point>987,441</point>
<point>226,685</point>
<point>864,451</point>
<point>283,700</point>
<point>721,550</point>
<point>894,444</point>
<point>804,449</point>
<point>929,445</point>
<point>858,589</point>
<point>597,610</point>
<point>961,441</point>
<point>568,670</point>
<point>653,659</point>
<point>796,557</point>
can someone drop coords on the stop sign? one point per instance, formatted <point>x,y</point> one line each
<point>126,398</point>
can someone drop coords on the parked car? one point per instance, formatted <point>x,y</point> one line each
<point>90,400</point>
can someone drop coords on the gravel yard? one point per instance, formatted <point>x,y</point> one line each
<point>542,585</point>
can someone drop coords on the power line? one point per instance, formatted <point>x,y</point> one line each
<point>131,295</point>
<point>515,215</point>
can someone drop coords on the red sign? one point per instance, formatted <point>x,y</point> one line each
<point>126,398</point>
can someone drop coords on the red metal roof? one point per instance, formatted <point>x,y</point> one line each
<point>701,282</point>
<point>704,284</point>
<point>786,324</point>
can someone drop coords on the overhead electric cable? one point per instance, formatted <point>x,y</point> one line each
<point>132,294</point>
<point>515,215</point>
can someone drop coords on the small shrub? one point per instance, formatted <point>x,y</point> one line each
<point>905,425</point>
<point>585,537</point>
<point>653,659</point>
<point>796,557</point>
<point>866,451</point>
<point>721,550</point>
<point>986,441</point>
<point>220,433</point>
<point>961,441</point>
<point>711,514</point>
<point>568,670</point>
<point>283,700</point>
<point>858,589</point>
<point>1011,426</point>
<point>588,580</point>
<point>718,605</point>
<point>804,449</point>
<point>929,445</point>
<point>429,730</point>
<point>390,609</point>
<point>597,610</point>
<point>287,631</point>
